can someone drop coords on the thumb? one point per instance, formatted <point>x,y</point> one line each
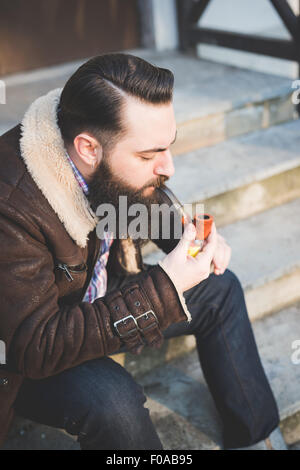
<point>188,235</point>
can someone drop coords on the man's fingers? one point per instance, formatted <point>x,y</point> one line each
<point>217,251</point>
<point>222,260</point>
<point>188,235</point>
<point>211,240</point>
<point>221,238</point>
<point>209,248</point>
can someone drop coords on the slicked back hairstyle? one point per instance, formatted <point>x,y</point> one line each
<point>94,96</point>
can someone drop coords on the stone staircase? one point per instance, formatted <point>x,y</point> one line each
<point>237,152</point>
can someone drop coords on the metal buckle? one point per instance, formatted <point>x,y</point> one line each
<point>146,314</point>
<point>128,332</point>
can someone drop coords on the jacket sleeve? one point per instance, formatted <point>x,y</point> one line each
<point>43,337</point>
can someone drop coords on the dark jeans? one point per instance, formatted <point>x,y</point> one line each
<point>101,403</point>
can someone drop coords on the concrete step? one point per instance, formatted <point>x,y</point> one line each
<point>181,405</point>
<point>212,102</point>
<point>265,257</point>
<point>28,435</point>
<point>180,386</point>
<point>243,176</point>
<point>295,446</point>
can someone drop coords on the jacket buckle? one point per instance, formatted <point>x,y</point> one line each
<point>123,320</point>
<point>145,314</point>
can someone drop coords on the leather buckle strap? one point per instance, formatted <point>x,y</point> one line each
<point>140,308</point>
<point>134,319</point>
<point>123,322</point>
<point>146,315</point>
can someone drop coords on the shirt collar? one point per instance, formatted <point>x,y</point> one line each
<point>81,181</point>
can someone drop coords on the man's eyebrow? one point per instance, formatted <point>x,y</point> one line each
<point>158,149</point>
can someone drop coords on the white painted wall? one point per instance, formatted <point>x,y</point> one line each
<point>165,24</point>
<point>247,16</point>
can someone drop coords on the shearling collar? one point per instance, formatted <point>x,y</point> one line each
<point>44,154</point>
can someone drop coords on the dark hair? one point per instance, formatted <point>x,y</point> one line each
<point>93,97</point>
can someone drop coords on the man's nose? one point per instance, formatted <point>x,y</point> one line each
<point>165,164</point>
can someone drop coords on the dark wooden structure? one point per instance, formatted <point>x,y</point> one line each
<point>39,33</point>
<point>190,12</point>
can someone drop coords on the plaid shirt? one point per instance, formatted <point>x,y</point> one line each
<point>98,284</point>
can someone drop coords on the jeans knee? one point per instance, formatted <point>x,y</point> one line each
<point>234,298</point>
<point>227,285</point>
<point>119,421</point>
<point>101,393</point>
<point>122,405</point>
<point>115,411</point>
<point>234,282</point>
<point>228,298</point>
<point>229,280</point>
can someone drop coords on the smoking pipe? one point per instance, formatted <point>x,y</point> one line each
<point>202,222</point>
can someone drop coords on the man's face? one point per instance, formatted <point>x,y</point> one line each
<point>141,161</point>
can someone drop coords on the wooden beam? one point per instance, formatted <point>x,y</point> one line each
<point>197,11</point>
<point>282,48</point>
<point>288,17</point>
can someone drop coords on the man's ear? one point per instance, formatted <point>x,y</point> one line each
<point>88,149</point>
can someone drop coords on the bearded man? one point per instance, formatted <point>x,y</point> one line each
<point>71,299</point>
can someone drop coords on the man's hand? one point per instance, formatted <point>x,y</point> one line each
<point>184,270</point>
<point>222,255</point>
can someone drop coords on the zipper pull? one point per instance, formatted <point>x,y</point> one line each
<point>64,267</point>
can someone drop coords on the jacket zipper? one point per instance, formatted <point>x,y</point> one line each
<point>67,270</point>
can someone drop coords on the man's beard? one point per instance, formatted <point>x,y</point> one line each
<point>105,188</point>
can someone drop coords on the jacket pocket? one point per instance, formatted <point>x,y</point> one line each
<point>70,279</point>
<point>72,269</point>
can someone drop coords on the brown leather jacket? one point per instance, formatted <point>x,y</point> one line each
<point>47,233</point>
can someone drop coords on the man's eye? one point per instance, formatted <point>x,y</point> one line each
<point>146,158</point>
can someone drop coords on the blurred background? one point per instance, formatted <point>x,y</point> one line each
<point>236,67</point>
<point>39,33</point>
